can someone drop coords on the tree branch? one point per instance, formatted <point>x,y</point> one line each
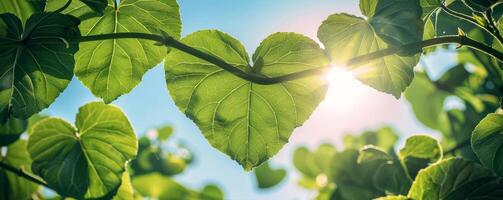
<point>23,174</point>
<point>415,47</point>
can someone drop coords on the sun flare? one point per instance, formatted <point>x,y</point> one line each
<point>344,90</point>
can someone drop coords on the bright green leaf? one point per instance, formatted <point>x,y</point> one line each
<point>21,8</point>
<point>372,153</point>
<point>159,187</point>
<point>12,186</point>
<point>11,131</point>
<point>346,36</point>
<point>38,70</point>
<point>384,138</point>
<point>86,161</point>
<point>454,179</point>
<point>421,146</point>
<point>111,68</point>
<point>487,142</point>
<point>268,177</point>
<point>125,191</point>
<point>247,121</point>
<point>164,133</point>
<point>394,198</point>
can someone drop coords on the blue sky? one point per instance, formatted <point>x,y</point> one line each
<point>349,107</point>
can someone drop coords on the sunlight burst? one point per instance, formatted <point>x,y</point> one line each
<point>344,90</point>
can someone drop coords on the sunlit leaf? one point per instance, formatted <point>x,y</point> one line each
<point>35,71</point>
<point>456,179</point>
<point>211,192</point>
<point>86,161</point>
<point>21,8</point>
<point>159,187</point>
<point>346,36</point>
<point>12,186</point>
<point>111,68</point>
<point>268,177</point>
<point>247,121</point>
<point>384,138</point>
<point>487,142</point>
<point>419,151</point>
<point>125,191</point>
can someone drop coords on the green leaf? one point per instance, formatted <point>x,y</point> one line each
<point>397,22</point>
<point>268,177</point>
<point>247,121</point>
<point>456,179</point>
<point>164,133</point>
<point>86,161</point>
<point>97,5</point>
<point>487,142</point>
<point>346,36</point>
<point>12,186</point>
<point>211,192</point>
<point>384,138</point>
<point>37,69</point>
<point>429,7</point>
<point>23,9</point>
<point>480,5</point>
<point>11,131</point>
<point>421,146</point>
<point>372,153</point>
<point>111,68</point>
<point>422,90</point>
<point>125,191</point>
<point>394,198</point>
<point>159,187</point>
<point>419,151</point>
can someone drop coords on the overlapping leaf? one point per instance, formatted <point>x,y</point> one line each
<point>21,8</point>
<point>487,142</point>
<point>86,161</point>
<point>247,121</point>
<point>111,68</point>
<point>13,187</point>
<point>346,36</point>
<point>456,179</point>
<point>37,62</point>
<point>11,131</point>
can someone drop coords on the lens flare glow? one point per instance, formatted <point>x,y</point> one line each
<point>344,90</point>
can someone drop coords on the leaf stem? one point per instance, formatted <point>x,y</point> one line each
<point>21,173</point>
<point>489,17</point>
<point>489,29</point>
<point>264,80</point>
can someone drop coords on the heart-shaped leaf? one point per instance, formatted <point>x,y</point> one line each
<point>268,177</point>
<point>456,179</point>
<point>487,142</point>
<point>86,161</point>
<point>12,186</point>
<point>111,68</point>
<point>347,36</point>
<point>314,164</point>
<point>36,62</point>
<point>419,151</point>
<point>247,121</point>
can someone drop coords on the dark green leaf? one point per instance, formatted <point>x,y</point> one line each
<point>11,131</point>
<point>97,5</point>
<point>40,67</point>
<point>23,9</point>
<point>247,121</point>
<point>454,179</point>
<point>86,161</point>
<point>268,177</point>
<point>12,186</point>
<point>487,142</point>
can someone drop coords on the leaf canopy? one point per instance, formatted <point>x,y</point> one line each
<point>11,131</point>
<point>86,161</point>
<point>487,142</point>
<point>247,121</point>
<point>37,62</point>
<point>111,68</point>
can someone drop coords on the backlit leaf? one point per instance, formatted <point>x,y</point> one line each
<point>268,177</point>
<point>35,71</point>
<point>247,121</point>
<point>487,142</point>
<point>86,161</point>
